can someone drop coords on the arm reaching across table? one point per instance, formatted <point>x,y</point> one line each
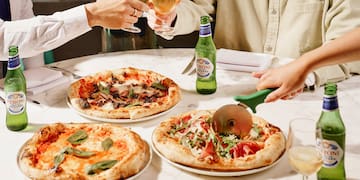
<point>290,78</point>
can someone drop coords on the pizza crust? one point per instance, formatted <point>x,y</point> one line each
<point>136,112</point>
<point>133,160</point>
<point>273,149</point>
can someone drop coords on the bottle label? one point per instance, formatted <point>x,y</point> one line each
<point>14,62</point>
<point>205,30</point>
<point>204,68</point>
<point>331,152</point>
<point>15,102</point>
<point>330,103</point>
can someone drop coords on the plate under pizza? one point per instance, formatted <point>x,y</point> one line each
<point>188,141</point>
<point>123,95</point>
<point>214,172</point>
<point>118,120</point>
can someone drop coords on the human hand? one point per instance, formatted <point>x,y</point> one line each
<point>288,79</point>
<point>114,14</point>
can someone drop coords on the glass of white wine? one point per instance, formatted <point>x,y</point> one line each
<point>163,8</point>
<point>303,155</point>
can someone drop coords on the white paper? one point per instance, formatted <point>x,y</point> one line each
<point>242,61</point>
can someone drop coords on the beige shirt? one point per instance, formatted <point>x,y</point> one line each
<point>285,28</point>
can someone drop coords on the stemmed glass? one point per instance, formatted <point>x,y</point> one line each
<point>162,8</point>
<point>303,155</point>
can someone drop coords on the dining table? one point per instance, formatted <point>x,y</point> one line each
<point>170,62</point>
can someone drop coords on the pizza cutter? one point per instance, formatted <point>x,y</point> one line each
<point>254,99</point>
<point>236,118</point>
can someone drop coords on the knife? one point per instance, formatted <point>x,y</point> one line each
<point>189,66</point>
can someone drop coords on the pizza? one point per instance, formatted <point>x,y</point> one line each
<point>83,151</point>
<point>126,93</point>
<point>189,139</point>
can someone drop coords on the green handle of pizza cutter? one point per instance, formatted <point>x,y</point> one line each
<point>254,99</point>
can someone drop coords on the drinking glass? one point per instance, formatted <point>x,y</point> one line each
<point>163,8</point>
<point>303,155</point>
<point>132,29</point>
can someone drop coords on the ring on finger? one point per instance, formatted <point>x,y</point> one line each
<point>135,12</point>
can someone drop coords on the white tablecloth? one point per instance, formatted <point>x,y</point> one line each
<point>170,62</point>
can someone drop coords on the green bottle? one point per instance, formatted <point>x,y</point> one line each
<point>332,129</point>
<point>15,93</point>
<point>205,52</point>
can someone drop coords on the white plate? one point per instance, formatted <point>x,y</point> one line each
<point>215,173</point>
<point>117,120</point>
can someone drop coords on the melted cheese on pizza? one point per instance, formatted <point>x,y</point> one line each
<point>86,153</point>
<point>195,132</point>
<point>112,93</point>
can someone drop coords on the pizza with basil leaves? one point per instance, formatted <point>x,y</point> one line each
<point>126,93</point>
<point>83,151</point>
<point>190,139</point>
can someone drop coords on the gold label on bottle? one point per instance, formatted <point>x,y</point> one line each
<point>331,152</point>
<point>204,68</point>
<point>15,102</point>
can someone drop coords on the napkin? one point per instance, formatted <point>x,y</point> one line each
<point>242,61</point>
<point>39,80</point>
<point>41,76</point>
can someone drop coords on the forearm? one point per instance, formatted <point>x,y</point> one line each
<point>340,50</point>
<point>42,33</point>
<point>189,13</point>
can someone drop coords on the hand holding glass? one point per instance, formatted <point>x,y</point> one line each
<point>303,156</point>
<point>162,8</point>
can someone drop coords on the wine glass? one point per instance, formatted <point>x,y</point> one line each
<point>303,155</point>
<point>132,29</point>
<point>163,8</point>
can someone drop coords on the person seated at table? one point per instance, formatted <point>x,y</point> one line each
<point>35,35</point>
<point>290,78</point>
<point>284,28</point>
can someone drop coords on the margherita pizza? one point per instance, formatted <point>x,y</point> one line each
<point>189,139</point>
<point>83,151</point>
<point>126,93</point>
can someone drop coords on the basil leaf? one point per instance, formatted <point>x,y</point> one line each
<point>104,88</point>
<point>131,93</point>
<point>133,104</point>
<point>78,137</point>
<point>82,154</point>
<point>100,166</point>
<point>107,143</point>
<point>158,85</point>
<point>58,159</point>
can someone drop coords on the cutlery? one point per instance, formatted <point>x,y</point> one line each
<point>189,67</point>
<point>2,99</point>
<point>75,76</point>
<point>253,99</point>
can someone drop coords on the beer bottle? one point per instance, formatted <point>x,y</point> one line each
<point>332,144</point>
<point>205,52</point>
<point>15,93</point>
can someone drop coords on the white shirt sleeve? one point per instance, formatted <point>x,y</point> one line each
<point>42,33</point>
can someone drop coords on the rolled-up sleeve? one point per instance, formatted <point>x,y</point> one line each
<point>42,33</point>
<point>189,13</point>
<point>341,17</point>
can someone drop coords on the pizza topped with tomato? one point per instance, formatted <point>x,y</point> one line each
<point>83,151</point>
<point>125,93</point>
<point>190,139</point>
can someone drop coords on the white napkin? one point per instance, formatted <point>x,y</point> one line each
<point>242,61</point>
<point>37,77</point>
<point>39,80</point>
